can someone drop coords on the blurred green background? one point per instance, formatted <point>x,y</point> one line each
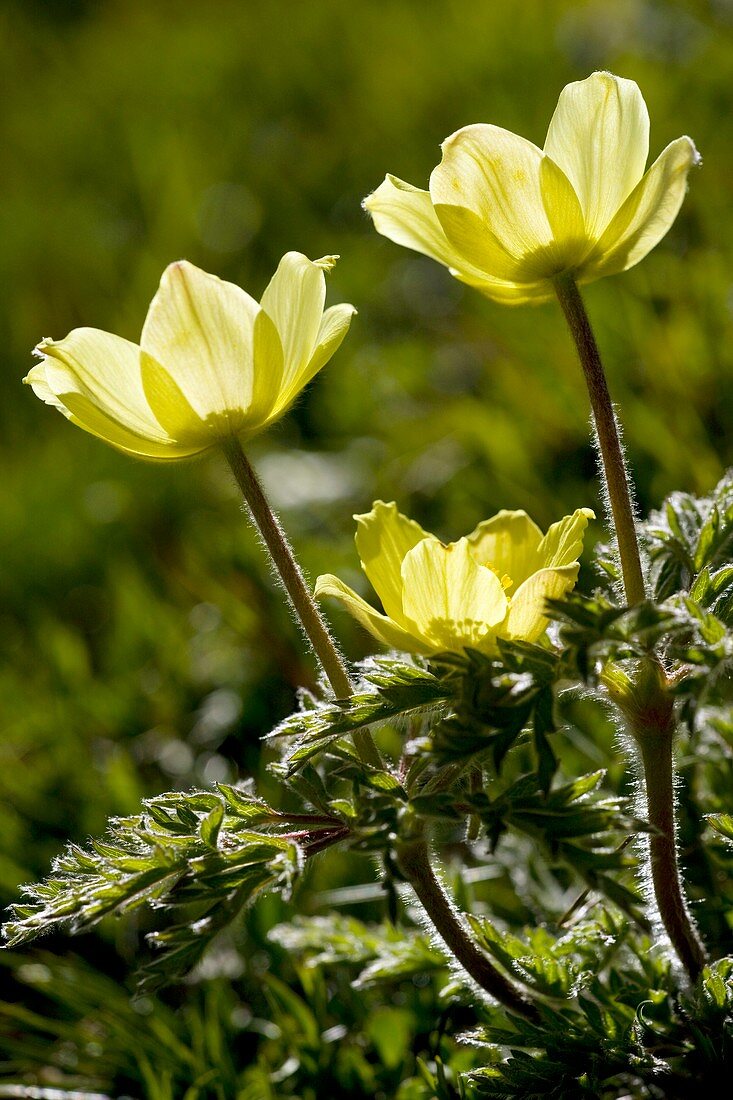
<point>142,645</point>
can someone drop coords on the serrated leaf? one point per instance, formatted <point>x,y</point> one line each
<point>211,871</point>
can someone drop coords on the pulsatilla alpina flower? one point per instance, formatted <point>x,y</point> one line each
<point>212,363</point>
<point>508,218</point>
<point>491,584</point>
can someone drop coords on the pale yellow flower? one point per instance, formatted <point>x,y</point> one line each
<point>507,217</point>
<point>436,598</point>
<point>212,363</point>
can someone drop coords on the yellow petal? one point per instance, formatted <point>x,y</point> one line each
<point>599,136</point>
<point>453,600</point>
<point>200,329</point>
<point>334,325</point>
<point>509,542</point>
<point>266,404</point>
<point>95,379</point>
<point>383,538</point>
<point>505,207</point>
<point>36,379</point>
<point>294,299</point>
<point>526,620</point>
<point>406,215</point>
<point>509,294</point>
<point>647,214</point>
<point>381,627</point>
<point>170,405</point>
<point>563,543</point>
<point>333,328</point>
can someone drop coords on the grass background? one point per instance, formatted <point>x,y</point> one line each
<point>142,645</point>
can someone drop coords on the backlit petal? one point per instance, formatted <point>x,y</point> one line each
<point>294,299</point>
<point>599,136</point>
<point>266,404</point>
<point>381,627</point>
<point>452,599</point>
<point>383,538</point>
<point>170,405</point>
<point>36,379</point>
<point>334,325</point>
<point>200,329</point>
<point>94,378</point>
<point>406,215</point>
<point>526,619</point>
<point>563,543</point>
<point>506,207</point>
<point>333,328</point>
<point>647,214</point>
<point>509,294</point>
<point>509,542</point>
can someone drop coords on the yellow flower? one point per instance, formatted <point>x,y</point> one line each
<point>491,584</point>
<point>507,217</point>
<point>212,363</point>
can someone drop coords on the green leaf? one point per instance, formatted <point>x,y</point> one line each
<point>210,825</point>
<point>207,870</point>
<point>394,691</point>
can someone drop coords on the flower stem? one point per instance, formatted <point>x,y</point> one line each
<point>653,723</point>
<point>656,758</point>
<point>304,606</point>
<point>414,862</point>
<point>612,455</point>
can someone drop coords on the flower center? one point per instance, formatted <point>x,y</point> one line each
<point>504,578</point>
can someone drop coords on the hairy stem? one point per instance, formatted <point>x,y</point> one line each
<point>303,604</point>
<point>414,857</point>
<point>612,454</point>
<point>656,758</point>
<point>414,861</point>
<point>654,737</point>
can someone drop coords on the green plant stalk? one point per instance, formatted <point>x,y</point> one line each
<point>612,455</point>
<point>414,857</point>
<point>656,757</point>
<point>654,737</point>
<point>303,604</point>
<point>414,862</point>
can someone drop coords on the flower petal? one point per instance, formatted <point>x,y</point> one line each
<point>599,136</point>
<point>526,619</point>
<point>647,214</point>
<point>406,215</point>
<point>563,543</point>
<point>266,404</point>
<point>505,207</point>
<point>509,294</point>
<point>334,326</point>
<point>381,627</point>
<point>508,542</point>
<point>94,378</point>
<point>170,405</point>
<point>200,329</point>
<point>453,600</point>
<point>383,538</point>
<point>335,323</point>
<point>294,299</point>
<point>36,379</point>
